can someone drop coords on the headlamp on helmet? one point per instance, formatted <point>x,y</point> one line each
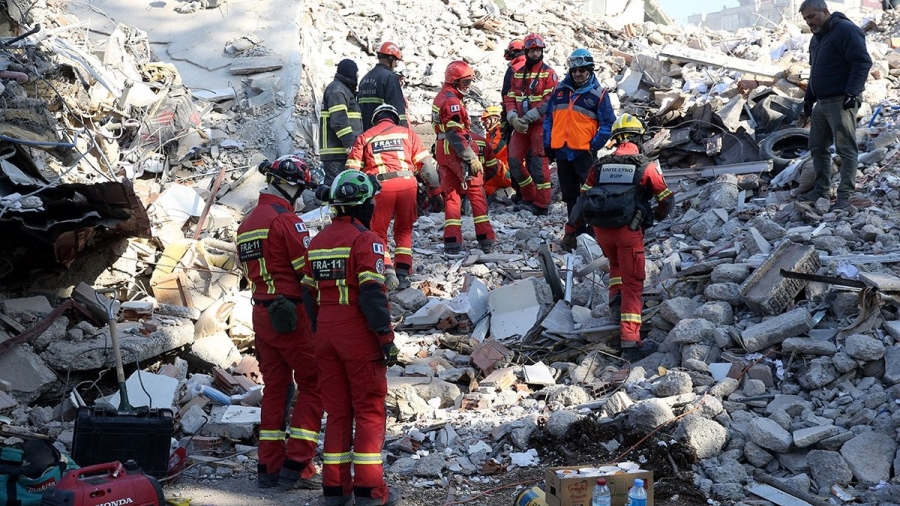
<point>352,188</point>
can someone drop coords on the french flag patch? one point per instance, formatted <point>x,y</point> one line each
<point>301,227</point>
<point>378,248</point>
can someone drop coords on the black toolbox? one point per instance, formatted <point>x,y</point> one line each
<point>104,435</point>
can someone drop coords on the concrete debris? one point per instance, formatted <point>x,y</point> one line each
<point>777,321</point>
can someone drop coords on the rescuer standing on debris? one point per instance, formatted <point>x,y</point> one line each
<point>460,169</point>
<point>344,292</point>
<point>515,55</point>
<point>532,83</point>
<point>394,154</point>
<point>839,64</point>
<point>495,177</point>
<point>616,201</point>
<point>272,244</point>
<point>577,124</point>
<point>382,85</point>
<point>341,120</point>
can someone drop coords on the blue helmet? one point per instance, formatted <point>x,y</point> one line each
<point>579,58</point>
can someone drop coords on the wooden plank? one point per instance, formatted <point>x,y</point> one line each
<point>172,289</point>
<point>720,60</point>
<point>501,379</point>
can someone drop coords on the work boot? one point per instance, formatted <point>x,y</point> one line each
<point>840,203</point>
<point>486,245</point>
<point>810,196</point>
<point>451,248</point>
<point>341,500</point>
<point>402,281</point>
<point>289,479</point>
<point>638,351</point>
<point>390,279</point>
<point>532,208</point>
<point>393,499</point>
<point>267,480</point>
<point>569,243</point>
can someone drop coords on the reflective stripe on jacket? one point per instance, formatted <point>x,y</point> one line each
<point>340,122</point>
<point>450,122</point>
<point>532,86</point>
<point>380,86</point>
<point>387,147</point>
<point>580,119</point>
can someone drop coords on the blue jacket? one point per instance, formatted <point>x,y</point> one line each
<point>839,59</point>
<point>581,113</point>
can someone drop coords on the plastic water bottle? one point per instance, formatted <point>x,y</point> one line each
<point>637,496</point>
<point>212,394</point>
<point>602,495</point>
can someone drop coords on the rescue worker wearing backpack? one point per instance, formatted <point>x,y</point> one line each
<point>577,124</point>
<point>271,244</point>
<point>526,102</point>
<point>616,202</point>
<point>381,85</point>
<point>344,293</point>
<point>496,177</point>
<point>461,171</point>
<point>394,155</point>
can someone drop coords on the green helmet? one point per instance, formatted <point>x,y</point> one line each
<point>353,187</point>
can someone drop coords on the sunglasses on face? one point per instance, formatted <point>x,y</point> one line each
<point>582,70</point>
<point>465,82</point>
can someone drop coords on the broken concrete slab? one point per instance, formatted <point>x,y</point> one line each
<point>516,308</point>
<point>27,374</point>
<point>766,291</point>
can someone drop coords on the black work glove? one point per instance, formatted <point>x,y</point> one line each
<point>437,203</point>
<point>569,243</point>
<point>390,353</point>
<point>850,102</point>
<point>550,153</point>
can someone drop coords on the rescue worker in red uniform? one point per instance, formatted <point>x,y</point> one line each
<point>515,55</point>
<point>496,177</point>
<point>616,202</point>
<point>344,292</point>
<point>394,155</point>
<point>381,85</point>
<point>460,169</point>
<point>526,102</point>
<point>272,244</point>
<point>577,124</point>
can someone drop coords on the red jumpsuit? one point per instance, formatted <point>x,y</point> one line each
<point>498,178</point>
<point>272,244</point>
<point>393,154</point>
<point>625,248</point>
<point>529,90</point>
<point>450,121</point>
<point>345,294</point>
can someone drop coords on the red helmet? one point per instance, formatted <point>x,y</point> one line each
<point>515,46</point>
<point>388,48</point>
<point>458,70</point>
<point>288,169</point>
<point>533,40</point>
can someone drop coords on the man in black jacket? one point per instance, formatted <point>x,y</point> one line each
<point>382,85</point>
<point>839,64</point>
<point>340,121</point>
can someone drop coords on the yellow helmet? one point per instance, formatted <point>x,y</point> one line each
<point>627,124</point>
<point>491,110</point>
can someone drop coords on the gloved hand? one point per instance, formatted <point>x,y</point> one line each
<point>474,163</point>
<point>569,242</point>
<point>550,153</point>
<point>437,203</point>
<point>850,101</point>
<point>532,116</point>
<point>390,353</point>
<point>520,125</point>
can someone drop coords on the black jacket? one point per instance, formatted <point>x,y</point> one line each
<point>340,122</point>
<point>839,59</point>
<point>380,86</point>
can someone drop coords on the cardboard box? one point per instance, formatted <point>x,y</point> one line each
<point>578,489</point>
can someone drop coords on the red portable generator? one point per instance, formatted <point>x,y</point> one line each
<point>110,484</point>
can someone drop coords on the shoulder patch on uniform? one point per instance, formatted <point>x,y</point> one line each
<point>379,266</point>
<point>454,107</point>
<point>306,241</point>
<point>378,248</point>
<point>555,78</point>
<point>301,227</point>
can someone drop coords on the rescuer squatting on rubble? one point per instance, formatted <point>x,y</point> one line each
<point>344,293</point>
<point>839,65</point>
<point>577,124</point>
<point>341,120</point>
<point>381,85</point>
<point>460,168</point>
<point>394,155</point>
<point>271,243</point>
<point>615,200</point>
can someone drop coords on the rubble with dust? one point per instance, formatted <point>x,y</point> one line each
<point>777,321</point>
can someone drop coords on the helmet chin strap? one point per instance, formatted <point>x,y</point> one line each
<point>284,193</point>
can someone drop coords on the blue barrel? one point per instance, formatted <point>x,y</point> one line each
<point>532,496</point>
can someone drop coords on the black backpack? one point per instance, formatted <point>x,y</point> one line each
<point>617,193</point>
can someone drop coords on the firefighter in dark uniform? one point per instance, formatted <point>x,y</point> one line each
<point>341,121</point>
<point>344,292</point>
<point>615,200</point>
<point>272,244</point>
<point>395,155</point>
<point>382,85</point>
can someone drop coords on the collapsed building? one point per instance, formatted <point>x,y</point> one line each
<point>778,366</point>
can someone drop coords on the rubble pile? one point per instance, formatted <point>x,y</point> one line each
<point>777,321</point>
